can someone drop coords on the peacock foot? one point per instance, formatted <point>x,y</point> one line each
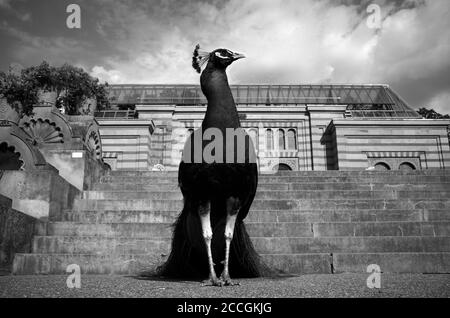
<point>227,280</point>
<point>216,281</point>
<point>213,281</point>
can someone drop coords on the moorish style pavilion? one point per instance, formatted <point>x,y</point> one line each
<point>294,127</point>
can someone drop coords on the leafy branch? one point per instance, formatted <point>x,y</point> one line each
<point>431,114</point>
<point>72,85</point>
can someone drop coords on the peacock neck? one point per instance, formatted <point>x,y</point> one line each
<point>221,111</point>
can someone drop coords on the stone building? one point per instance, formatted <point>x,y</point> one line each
<point>60,204</point>
<point>294,127</point>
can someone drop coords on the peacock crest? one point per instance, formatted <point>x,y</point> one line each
<point>199,58</point>
<point>9,158</point>
<point>40,131</point>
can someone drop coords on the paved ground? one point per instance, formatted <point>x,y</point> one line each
<point>339,285</point>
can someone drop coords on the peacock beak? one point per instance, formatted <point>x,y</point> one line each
<point>237,56</point>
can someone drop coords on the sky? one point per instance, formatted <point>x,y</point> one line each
<point>285,41</point>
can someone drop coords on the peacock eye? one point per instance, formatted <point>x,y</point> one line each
<point>219,55</point>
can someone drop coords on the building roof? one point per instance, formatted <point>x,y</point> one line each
<point>361,100</point>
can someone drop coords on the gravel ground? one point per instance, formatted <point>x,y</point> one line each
<point>338,285</point>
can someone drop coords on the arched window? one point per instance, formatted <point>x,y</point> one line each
<point>406,166</point>
<point>281,139</point>
<point>292,140</point>
<point>382,166</point>
<point>282,167</point>
<point>269,139</point>
<point>254,135</point>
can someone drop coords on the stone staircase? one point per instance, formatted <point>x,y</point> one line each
<point>300,222</point>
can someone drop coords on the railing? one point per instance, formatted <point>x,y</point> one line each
<point>382,114</point>
<point>256,94</point>
<point>132,114</point>
<point>116,114</point>
<point>362,100</point>
<point>238,100</point>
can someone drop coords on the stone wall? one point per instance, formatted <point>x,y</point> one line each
<point>16,233</point>
<point>79,167</point>
<point>40,194</point>
<point>362,143</point>
<point>126,143</point>
<point>352,145</point>
<point>320,116</point>
<point>172,125</point>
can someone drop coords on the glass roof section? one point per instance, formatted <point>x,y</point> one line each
<point>361,100</point>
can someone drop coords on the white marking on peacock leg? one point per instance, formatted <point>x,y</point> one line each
<point>232,211</point>
<point>204,213</point>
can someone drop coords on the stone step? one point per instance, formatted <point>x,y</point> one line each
<point>297,205</point>
<point>297,229</point>
<point>392,262</point>
<point>169,187</point>
<point>438,186</point>
<point>298,179</point>
<point>301,222</point>
<point>283,186</point>
<point>263,245</point>
<point>100,245</point>
<point>292,263</point>
<point>29,264</point>
<point>279,195</point>
<point>264,216</point>
<point>133,173</point>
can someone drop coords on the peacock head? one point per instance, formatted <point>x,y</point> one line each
<point>220,58</point>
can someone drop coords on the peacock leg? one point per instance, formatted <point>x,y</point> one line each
<point>233,207</point>
<point>204,213</point>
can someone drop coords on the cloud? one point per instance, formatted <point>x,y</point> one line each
<point>286,41</point>
<point>28,49</point>
<point>111,76</point>
<point>6,5</point>
<point>440,103</point>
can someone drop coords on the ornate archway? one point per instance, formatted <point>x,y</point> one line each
<point>10,159</point>
<point>93,141</point>
<point>17,152</point>
<point>47,126</point>
<point>42,131</point>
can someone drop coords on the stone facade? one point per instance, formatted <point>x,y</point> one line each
<point>395,144</point>
<point>329,133</point>
<point>127,143</point>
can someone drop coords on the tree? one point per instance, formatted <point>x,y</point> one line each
<point>431,114</point>
<point>20,92</point>
<point>72,85</point>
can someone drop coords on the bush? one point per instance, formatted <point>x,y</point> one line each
<point>72,86</point>
<point>431,114</point>
<point>20,92</point>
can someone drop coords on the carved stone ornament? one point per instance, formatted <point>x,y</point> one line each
<point>40,131</point>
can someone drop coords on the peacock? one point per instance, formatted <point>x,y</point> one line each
<point>209,235</point>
